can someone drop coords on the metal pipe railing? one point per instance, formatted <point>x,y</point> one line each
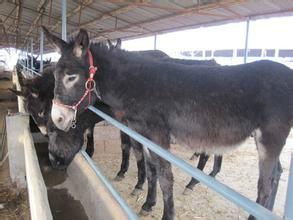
<point>30,70</point>
<point>289,200</point>
<point>251,207</point>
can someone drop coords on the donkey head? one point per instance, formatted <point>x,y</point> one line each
<point>36,106</point>
<point>38,94</point>
<point>71,75</point>
<point>63,145</point>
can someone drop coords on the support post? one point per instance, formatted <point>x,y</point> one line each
<point>289,199</point>
<point>27,61</point>
<point>64,28</point>
<point>155,42</point>
<point>246,40</point>
<point>32,54</point>
<point>41,50</point>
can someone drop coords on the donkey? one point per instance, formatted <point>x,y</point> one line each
<point>38,93</point>
<point>201,106</point>
<point>203,157</point>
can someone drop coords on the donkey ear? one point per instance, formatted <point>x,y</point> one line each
<point>81,43</point>
<point>118,44</point>
<point>110,45</point>
<point>18,93</point>
<point>58,43</point>
<point>20,78</point>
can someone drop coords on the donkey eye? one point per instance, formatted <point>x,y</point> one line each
<point>41,114</point>
<point>71,78</point>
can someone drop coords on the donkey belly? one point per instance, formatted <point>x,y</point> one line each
<point>210,135</point>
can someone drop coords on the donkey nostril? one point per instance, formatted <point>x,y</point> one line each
<point>60,119</point>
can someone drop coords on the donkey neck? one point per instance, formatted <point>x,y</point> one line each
<point>108,73</point>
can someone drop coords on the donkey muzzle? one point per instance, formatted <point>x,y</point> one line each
<point>62,117</point>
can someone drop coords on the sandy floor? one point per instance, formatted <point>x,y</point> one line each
<point>239,171</point>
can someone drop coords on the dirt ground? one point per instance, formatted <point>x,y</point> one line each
<point>239,171</point>
<point>13,202</point>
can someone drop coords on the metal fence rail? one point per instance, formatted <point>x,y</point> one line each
<point>31,71</point>
<point>251,207</point>
<point>289,200</point>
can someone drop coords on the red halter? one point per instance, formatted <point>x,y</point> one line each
<point>90,85</point>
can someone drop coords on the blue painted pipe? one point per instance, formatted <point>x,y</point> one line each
<point>251,207</point>
<point>289,200</point>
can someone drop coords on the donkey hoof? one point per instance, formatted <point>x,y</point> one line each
<point>187,191</point>
<point>136,192</point>
<point>144,212</point>
<point>118,178</point>
<point>251,217</point>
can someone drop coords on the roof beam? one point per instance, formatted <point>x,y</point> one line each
<point>110,14</point>
<point>17,21</point>
<point>192,10</point>
<point>73,12</point>
<point>113,14</point>
<point>9,15</point>
<point>226,7</point>
<point>85,3</point>
<point>41,9</point>
<point>4,31</point>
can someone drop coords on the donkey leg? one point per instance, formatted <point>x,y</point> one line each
<point>125,147</point>
<point>217,165</point>
<point>195,155</point>
<point>166,183</point>
<point>277,174</point>
<point>151,174</point>
<point>164,171</point>
<point>141,170</point>
<point>269,145</point>
<point>201,164</point>
<point>90,142</point>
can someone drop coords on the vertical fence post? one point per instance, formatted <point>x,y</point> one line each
<point>289,199</point>
<point>155,42</point>
<point>64,28</point>
<point>41,50</point>
<point>32,54</point>
<point>27,60</point>
<point>246,40</point>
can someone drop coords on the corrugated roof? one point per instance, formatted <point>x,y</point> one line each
<point>21,19</point>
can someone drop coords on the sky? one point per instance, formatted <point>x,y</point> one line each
<point>272,33</point>
<point>265,33</point>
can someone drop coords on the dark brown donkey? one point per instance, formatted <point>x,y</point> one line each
<point>210,109</point>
